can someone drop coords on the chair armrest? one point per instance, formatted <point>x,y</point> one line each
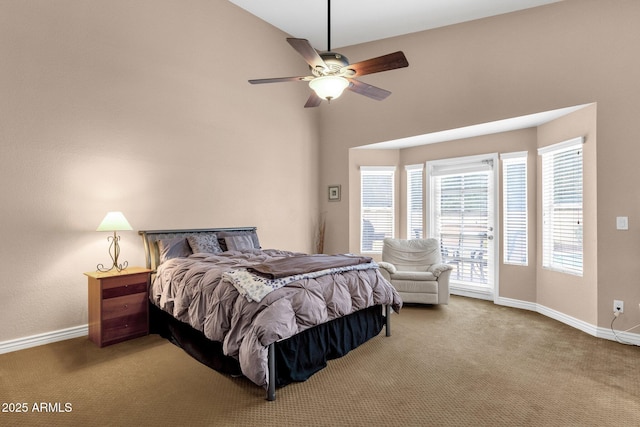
<point>388,266</point>
<point>438,269</point>
<point>443,287</point>
<point>386,269</point>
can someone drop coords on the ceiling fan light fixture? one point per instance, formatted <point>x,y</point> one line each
<point>332,73</point>
<point>329,87</point>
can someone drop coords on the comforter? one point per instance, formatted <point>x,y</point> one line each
<point>200,290</point>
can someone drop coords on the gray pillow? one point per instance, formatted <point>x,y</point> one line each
<point>222,235</point>
<point>241,241</point>
<point>173,248</point>
<point>204,243</point>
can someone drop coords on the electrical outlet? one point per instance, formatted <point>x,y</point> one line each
<point>618,306</point>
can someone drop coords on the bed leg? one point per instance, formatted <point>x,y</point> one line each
<point>387,310</point>
<point>271,387</point>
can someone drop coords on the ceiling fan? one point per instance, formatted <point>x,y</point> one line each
<point>332,73</point>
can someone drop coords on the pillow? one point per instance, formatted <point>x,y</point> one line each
<point>173,248</point>
<point>204,243</point>
<point>241,241</point>
<point>222,235</point>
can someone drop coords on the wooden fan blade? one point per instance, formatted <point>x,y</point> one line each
<point>313,101</point>
<point>368,90</point>
<point>381,63</point>
<point>276,80</point>
<point>304,48</point>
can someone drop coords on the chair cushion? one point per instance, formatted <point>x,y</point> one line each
<point>413,286</point>
<point>413,275</point>
<point>419,297</point>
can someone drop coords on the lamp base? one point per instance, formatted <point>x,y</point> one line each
<point>101,268</point>
<point>114,252</point>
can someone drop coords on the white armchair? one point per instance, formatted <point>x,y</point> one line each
<point>414,267</point>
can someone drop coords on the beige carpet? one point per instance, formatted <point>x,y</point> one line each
<point>466,364</point>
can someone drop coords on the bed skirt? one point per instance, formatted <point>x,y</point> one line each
<point>297,358</point>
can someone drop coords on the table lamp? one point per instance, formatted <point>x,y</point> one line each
<point>114,221</point>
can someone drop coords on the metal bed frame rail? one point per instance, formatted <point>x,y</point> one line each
<point>271,357</point>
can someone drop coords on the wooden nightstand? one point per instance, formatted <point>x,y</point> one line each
<point>118,305</point>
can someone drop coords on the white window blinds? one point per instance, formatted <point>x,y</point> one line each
<point>414,201</point>
<point>377,206</point>
<point>562,244</point>
<point>514,226</point>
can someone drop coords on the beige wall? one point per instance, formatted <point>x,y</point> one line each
<point>569,53</point>
<point>140,106</point>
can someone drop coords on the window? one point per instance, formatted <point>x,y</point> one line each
<point>377,206</point>
<point>562,244</point>
<point>514,195</point>
<point>414,201</point>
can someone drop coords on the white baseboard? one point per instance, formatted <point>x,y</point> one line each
<point>619,336</point>
<point>596,331</point>
<point>471,291</point>
<point>515,303</point>
<point>45,338</point>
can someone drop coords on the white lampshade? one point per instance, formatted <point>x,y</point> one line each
<point>329,87</point>
<point>114,221</point>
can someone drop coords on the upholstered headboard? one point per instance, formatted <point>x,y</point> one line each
<point>150,239</point>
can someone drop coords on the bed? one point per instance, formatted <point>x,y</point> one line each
<point>273,316</point>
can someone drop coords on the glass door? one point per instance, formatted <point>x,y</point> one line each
<point>462,205</point>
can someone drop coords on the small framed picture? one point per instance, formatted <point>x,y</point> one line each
<point>334,193</point>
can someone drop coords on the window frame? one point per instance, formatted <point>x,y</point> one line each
<point>556,237</point>
<point>415,172</point>
<point>387,225</point>
<point>515,222</point>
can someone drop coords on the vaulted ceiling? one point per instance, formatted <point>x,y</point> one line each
<point>360,21</point>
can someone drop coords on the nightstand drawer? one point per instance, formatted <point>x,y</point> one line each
<point>124,327</point>
<point>109,291</point>
<point>124,306</point>
<point>124,280</point>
